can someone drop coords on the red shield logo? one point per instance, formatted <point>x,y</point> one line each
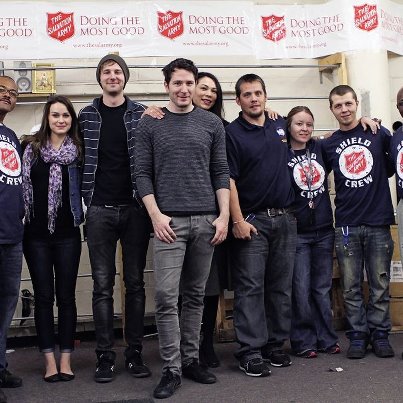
<point>401,163</point>
<point>365,17</point>
<point>170,24</point>
<point>314,172</point>
<point>9,159</point>
<point>273,28</point>
<point>355,162</point>
<point>60,25</point>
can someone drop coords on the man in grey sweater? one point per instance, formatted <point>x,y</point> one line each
<point>182,174</point>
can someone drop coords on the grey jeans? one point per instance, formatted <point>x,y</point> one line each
<point>193,236</point>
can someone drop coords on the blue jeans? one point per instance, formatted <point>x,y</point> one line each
<point>53,265</point>
<point>370,248</point>
<point>105,226</point>
<point>193,236</point>
<point>10,278</point>
<point>262,279</point>
<point>311,325</point>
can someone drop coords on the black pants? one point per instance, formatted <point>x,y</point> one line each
<point>53,265</point>
<point>105,226</point>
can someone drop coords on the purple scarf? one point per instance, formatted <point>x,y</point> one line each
<point>65,155</point>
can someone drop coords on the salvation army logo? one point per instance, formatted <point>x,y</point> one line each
<point>365,17</point>
<point>356,162</point>
<point>10,162</point>
<point>273,28</point>
<point>315,171</point>
<point>170,24</point>
<point>60,26</point>
<point>399,165</point>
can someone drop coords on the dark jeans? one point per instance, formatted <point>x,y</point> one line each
<point>53,264</point>
<point>10,278</point>
<point>311,325</point>
<point>262,275</point>
<point>105,226</point>
<point>372,248</point>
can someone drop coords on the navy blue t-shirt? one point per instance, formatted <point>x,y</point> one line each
<point>309,179</point>
<point>396,151</point>
<point>360,163</point>
<point>11,201</point>
<point>257,159</point>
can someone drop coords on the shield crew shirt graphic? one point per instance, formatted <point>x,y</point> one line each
<point>396,148</point>
<point>312,206</point>
<point>361,163</point>
<point>11,227</point>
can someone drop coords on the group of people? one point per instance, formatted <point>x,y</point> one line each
<point>191,178</point>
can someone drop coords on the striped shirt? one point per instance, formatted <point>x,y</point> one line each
<point>90,123</point>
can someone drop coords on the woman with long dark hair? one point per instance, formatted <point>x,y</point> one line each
<point>52,240</point>
<point>208,95</point>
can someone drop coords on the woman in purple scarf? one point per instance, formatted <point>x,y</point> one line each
<point>52,241</point>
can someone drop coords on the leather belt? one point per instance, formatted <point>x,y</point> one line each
<point>274,212</point>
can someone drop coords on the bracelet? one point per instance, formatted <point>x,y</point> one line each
<point>237,222</point>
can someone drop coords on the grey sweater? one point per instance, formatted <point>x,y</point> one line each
<point>181,159</point>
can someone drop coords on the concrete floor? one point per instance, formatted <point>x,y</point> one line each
<point>368,380</point>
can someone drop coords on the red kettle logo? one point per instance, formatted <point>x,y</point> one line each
<point>273,28</point>
<point>365,17</point>
<point>170,24</point>
<point>60,26</point>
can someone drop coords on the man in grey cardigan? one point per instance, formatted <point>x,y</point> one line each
<point>182,174</point>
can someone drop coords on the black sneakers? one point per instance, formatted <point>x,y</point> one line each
<point>8,380</point>
<point>380,344</point>
<point>105,367</point>
<point>277,358</point>
<point>358,345</point>
<point>167,386</point>
<point>254,367</point>
<point>136,367</point>
<point>197,373</point>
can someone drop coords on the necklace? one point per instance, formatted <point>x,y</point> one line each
<point>309,176</point>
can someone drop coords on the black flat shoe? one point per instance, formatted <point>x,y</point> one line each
<point>52,378</point>
<point>66,377</point>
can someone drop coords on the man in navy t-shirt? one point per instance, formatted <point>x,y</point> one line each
<point>11,227</point>
<point>264,230</point>
<point>364,211</point>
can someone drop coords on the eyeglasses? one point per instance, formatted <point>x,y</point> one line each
<point>4,90</point>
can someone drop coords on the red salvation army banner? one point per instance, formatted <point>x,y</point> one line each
<point>318,30</point>
<point>44,30</point>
